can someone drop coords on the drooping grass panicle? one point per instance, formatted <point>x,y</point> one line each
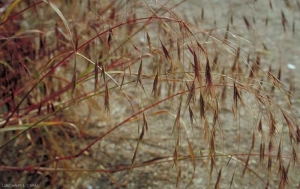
<point>78,64</point>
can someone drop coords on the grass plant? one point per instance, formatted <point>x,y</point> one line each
<point>119,94</point>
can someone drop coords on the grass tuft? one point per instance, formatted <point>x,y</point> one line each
<point>142,94</point>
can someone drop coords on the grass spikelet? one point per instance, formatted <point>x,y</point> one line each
<point>109,38</point>
<point>257,63</point>
<point>103,73</point>
<point>283,21</point>
<point>236,96</point>
<point>149,41</point>
<point>191,95</point>
<point>166,52</point>
<point>216,116</point>
<point>136,48</point>
<point>223,95</point>
<point>279,74</point>
<point>212,164</point>
<point>155,84</point>
<point>262,152</point>
<point>138,80</point>
<point>289,124</point>
<point>177,119</point>
<point>202,106</point>
<point>270,4</point>
<point>144,129</point>
<point>247,23</point>
<point>255,67</point>
<point>269,164</point>
<point>298,134</point>
<point>295,158</point>
<point>197,67</point>
<point>279,153</point>
<point>253,141</point>
<point>293,27</point>
<point>202,48</point>
<point>191,50</point>
<point>212,151</point>
<point>175,156</point>
<point>251,74</point>
<point>167,55</point>
<point>233,68</point>
<point>178,177</point>
<point>217,185</point>
<point>106,98</point>
<point>231,181</point>
<point>284,181</point>
<point>42,42</point>
<point>96,72</point>
<point>265,46</point>
<point>145,122</point>
<point>192,155</point>
<point>178,50</point>
<point>246,163</point>
<point>208,76</point>
<point>215,61</point>
<point>272,126</point>
<point>226,32</point>
<point>191,115</point>
<point>74,79</point>
<point>271,146</point>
